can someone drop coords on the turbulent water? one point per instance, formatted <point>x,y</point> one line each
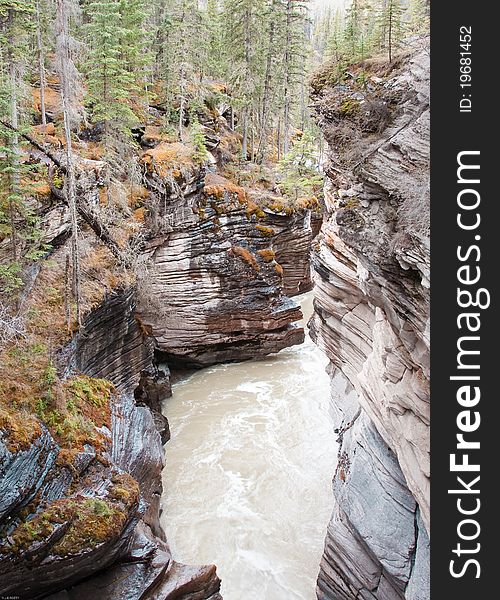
<point>249,468</point>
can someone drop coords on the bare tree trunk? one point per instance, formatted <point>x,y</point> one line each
<point>84,211</point>
<point>181,108</point>
<point>390,16</point>
<point>287,84</point>
<point>252,135</point>
<point>244,142</point>
<point>278,139</point>
<point>71,195</point>
<point>303,107</point>
<point>67,294</point>
<point>384,25</point>
<point>41,63</point>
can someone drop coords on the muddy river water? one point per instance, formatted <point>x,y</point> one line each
<point>249,469</point>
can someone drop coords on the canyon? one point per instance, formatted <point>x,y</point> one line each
<point>371,272</point>
<point>219,267</point>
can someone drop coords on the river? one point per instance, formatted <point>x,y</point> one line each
<point>247,482</point>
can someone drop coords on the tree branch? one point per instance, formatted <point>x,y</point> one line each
<point>36,144</point>
<point>92,220</point>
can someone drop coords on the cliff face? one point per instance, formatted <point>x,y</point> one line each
<point>81,446</point>
<point>371,270</point>
<point>96,510</point>
<point>220,269</point>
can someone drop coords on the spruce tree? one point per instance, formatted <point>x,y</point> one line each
<point>389,21</point>
<point>108,79</point>
<point>18,222</point>
<point>295,12</point>
<point>135,52</point>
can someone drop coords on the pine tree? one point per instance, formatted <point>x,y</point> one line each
<point>216,56</point>
<point>244,23</point>
<point>17,220</point>
<point>293,59</point>
<point>300,177</point>
<point>135,53</point>
<point>418,16</point>
<point>390,24</point>
<point>270,58</point>
<point>108,79</point>
<point>41,61</point>
<point>198,140</point>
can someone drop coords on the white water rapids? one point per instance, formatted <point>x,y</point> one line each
<point>247,483</point>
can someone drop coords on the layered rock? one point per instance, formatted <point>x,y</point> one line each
<point>215,287</point>
<point>372,320</point>
<point>74,517</point>
<point>80,517</point>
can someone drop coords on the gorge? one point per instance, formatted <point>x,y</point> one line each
<point>250,462</point>
<point>181,324</point>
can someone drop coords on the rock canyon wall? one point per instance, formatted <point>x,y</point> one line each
<point>371,270</point>
<point>80,501</point>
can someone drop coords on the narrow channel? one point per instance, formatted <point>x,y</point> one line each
<point>247,482</point>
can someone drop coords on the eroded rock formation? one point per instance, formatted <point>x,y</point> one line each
<point>220,267</point>
<point>371,270</point>
<point>95,510</point>
<point>80,471</point>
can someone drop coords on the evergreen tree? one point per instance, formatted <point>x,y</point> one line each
<point>389,20</point>
<point>298,168</point>
<point>197,137</point>
<point>417,17</point>
<point>245,20</point>
<point>216,56</point>
<point>108,78</point>
<point>295,13</point>
<point>18,222</point>
<point>135,53</point>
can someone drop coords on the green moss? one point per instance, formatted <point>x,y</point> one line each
<point>91,521</point>
<point>350,203</point>
<point>95,391</point>
<point>349,106</point>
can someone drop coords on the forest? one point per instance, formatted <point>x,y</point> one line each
<point>73,72</point>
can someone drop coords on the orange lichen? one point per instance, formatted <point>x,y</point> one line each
<point>166,157</point>
<point>254,209</point>
<point>41,188</point>
<point>153,133</point>
<point>279,269</point>
<point>267,231</point>
<point>218,86</point>
<point>42,130</point>
<point>308,203</point>
<point>21,428</point>
<point>267,254</point>
<point>140,214</point>
<point>220,188</point>
<point>246,256</point>
<point>52,100</point>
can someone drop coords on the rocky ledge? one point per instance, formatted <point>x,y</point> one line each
<point>220,264</point>
<point>196,270</point>
<point>68,515</point>
<point>371,269</point>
